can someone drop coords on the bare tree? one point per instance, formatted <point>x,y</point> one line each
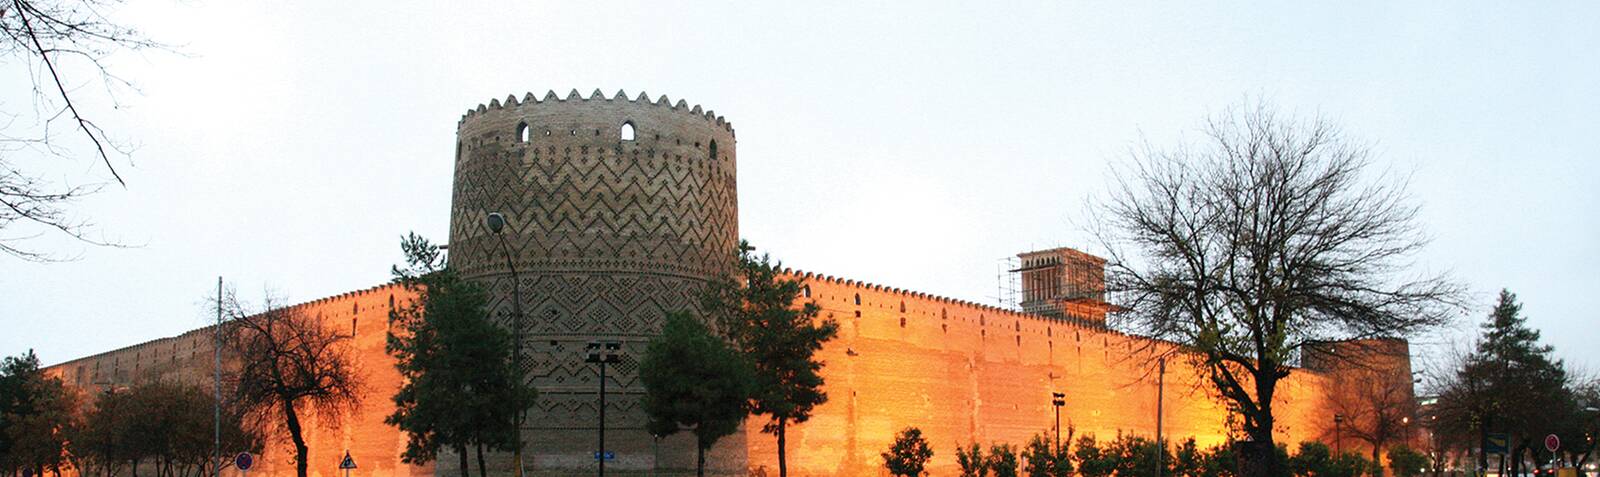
<point>1377,408</point>
<point>1258,241</point>
<point>55,38</point>
<point>289,364</point>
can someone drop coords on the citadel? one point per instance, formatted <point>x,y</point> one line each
<point>619,210</point>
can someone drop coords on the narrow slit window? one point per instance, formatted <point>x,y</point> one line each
<point>524,134</point>
<point>627,131</point>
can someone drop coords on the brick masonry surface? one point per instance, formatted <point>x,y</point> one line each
<point>607,233</point>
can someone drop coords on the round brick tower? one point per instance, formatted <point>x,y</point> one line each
<point>617,212</point>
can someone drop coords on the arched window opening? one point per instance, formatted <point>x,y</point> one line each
<point>858,298</point>
<point>805,291</point>
<point>713,149</point>
<point>523,133</point>
<point>627,131</point>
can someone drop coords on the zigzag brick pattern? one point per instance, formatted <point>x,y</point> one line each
<point>606,233</point>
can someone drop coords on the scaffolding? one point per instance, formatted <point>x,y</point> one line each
<point>1059,283</point>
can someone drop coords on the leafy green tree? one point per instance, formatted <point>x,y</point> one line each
<point>1043,460</point>
<point>1509,383</point>
<point>1219,461</point>
<point>756,309</point>
<point>1265,238</point>
<point>462,389</point>
<point>1136,456</point>
<point>37,413</point>
<point>909,454</point>
<point>1186,461</point>
<point>694,380</point>
<point>166,424</point>
<point>1093,461</point>
<point>1406,462</point>
<point>1312,460</point>
<point>972,461</point>
<point>1002,460</point>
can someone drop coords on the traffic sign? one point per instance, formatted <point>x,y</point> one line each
<point>1495,444</point>
<point>610,455</point>
<point>347,463</point>
<point>244,460</point>
<point>1552,443</point>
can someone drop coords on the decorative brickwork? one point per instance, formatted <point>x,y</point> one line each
<point>606,234</point>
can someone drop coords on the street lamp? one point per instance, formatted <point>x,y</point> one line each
<point>603,352</point>
<point>497,223</point>
<point>1058,400</point>
<point>1338,443</point>
<point>1161,389</point>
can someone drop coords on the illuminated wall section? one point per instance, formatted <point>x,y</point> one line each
<point>964,372</point>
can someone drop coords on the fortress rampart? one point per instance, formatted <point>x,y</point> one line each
<point>608,231</point>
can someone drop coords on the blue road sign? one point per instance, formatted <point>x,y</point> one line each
<point>610,455</point>
<point>1495,444</point>
<point>244,460</point>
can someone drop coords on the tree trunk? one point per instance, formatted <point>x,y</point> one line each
<point>1259,456</point>
<point>700,461</point>
<point>461,454</point>
<point>482,469</point>
<point>1376,467</point>
<point>1483,444</point>
<point>783,463</point>
<point>301,452</point>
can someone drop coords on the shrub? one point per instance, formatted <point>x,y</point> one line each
<point>1002,460</point>
<point>909,454</point>
<point>1043,461</point>
<point>1406,462</point>
<point>972,462</point>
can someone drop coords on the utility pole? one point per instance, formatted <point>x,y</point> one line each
<point>1161,388</point>
<point>216,371</point>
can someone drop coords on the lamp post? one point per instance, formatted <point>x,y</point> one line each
<point>1058,400</point>
<point>1338,443</point>
<point>1161,388</point>
<point>497,223</point>
<point>603,352</point>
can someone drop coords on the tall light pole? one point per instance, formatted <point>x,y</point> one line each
<point>1161,389</point>
<point>1338,443</point>
<point>603,352</point>
<point>216,365</point>
<point>1058,400</point>
<point>497,223</point>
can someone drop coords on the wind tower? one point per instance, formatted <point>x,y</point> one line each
<point>1061,283</point>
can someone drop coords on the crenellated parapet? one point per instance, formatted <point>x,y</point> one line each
<point>662,102</point>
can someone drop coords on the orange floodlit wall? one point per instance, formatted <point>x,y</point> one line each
<point>960,371</point>
<point>964,373</point>
<point>375,446</point>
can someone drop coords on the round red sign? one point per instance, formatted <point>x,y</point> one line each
<point>1552,443</point>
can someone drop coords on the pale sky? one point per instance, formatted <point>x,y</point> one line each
<point>290,145</point>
